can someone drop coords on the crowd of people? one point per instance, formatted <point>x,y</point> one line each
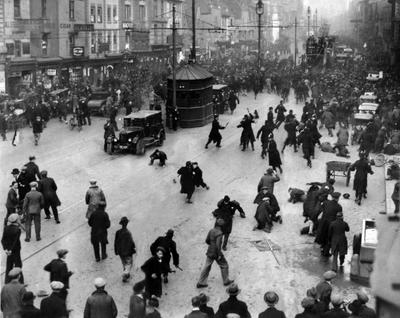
<point>32,190</point>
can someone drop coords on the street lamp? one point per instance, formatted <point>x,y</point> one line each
<point>260,12</point>
<point>308,19</point>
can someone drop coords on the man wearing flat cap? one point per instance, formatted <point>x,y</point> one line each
<point>32,207</point>
<point>214,253</point>
<point>48,188</point>
<point>365,311</point>
<point>196,313</point>
<point>169,246</point>
<point>100,304</point>
<point>58,270</point>
<point>338,240</point>
<point>11,294</point>
<point>336,312</point>
<point>94,195</point>
<point>324,286</point>
<point>99,221</point>
<point>28,310</point>
<point>271,298</point>
<point>308,304</point>
<point>329,210</point>
<point>232,305</point>
<point>54,306</point>
<point>32,170</point>
<point>125,247</point>
<point>12,245</point>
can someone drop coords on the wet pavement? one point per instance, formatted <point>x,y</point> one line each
<point>148,196</point>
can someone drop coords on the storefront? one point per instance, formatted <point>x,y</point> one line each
<point>20,76</point>
<point>48,72</point>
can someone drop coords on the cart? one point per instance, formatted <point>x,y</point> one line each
<point>338,169</point>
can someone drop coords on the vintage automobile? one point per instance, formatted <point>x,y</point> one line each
<point>97,103</point>
<point>141,129</point>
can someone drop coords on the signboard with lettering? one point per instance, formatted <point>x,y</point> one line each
<point>51,72</point>
<point>78,51</point>
<point>84,27</point>
<point>127,25</point>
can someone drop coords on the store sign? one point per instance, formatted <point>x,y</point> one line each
<point>84,27</point>
<point>78,51</point>
<point>65,26</point>
<point>15,74</point>
<point>51,72</point>
<point>127,25</point>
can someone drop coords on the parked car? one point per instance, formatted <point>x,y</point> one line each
<point>141,129</point>
<point>97,103</point>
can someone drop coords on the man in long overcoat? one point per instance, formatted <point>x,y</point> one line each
<point>153,268</point>
<point>363,168</point>
<point>12,245</point>
<point>12,200</point>
<point>338,240</point>
<point>265,131</point>
<point>32,170</point>
<point>247,132</point>
<point>329,208</point>
<point>93,197</point>
<point>232,101</point>
<point>48,188</point>
<point>11,295</point>
<point>99,222</point>
<point>214,135</point>
<point>187,180</point>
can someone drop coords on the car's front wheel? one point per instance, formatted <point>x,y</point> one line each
<point>140,147</point>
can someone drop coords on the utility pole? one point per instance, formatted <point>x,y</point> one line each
<point>308,20</point>
<point>316,23</point>
<point>174,56</point>
<point>295,41</point>
<point>193,31</point>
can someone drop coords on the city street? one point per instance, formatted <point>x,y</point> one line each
<point>151,200</point>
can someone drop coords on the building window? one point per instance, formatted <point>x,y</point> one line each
<point>115,14</point>
<point>71,40</point>
<point>115,38</point>
<point>92,13</point>
<point>127,12</point>
<point>44,8</point>
<point>93,43</point>
<point>162,7</point>
<point>26,48</point>
<point>109,14</point>
<point>72,9</point>
<point>127,39</point>
<point>17,48</point>
<point>99,14</point>
<point>17,8</point>
<point>155,8</point>
<point>10,48</point>
<point>44,44</point>
<point>109,37</point>
<point>142,12</point>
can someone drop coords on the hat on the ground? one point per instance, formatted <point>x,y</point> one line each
<point>15,171</point>
<point>28,296</point>
<point>346,195</point>
<point>62,252</point>
<point>92,181</point>
<point>32,158</point>
<point>329,275</point>
<point>204,299</point>
<point>55,285</point>
<point>33,184</point>
<point>271,298</point>
<point>99,282</point>
<point>13,218</point>
<point>14,272</point>
<point>124,220</point>
<point>170,232</point>
<point>308,302</point>
<point>336,299</point>
<point>362,296</point>
<point>233,290</point>
<point>336,195</point>
<point>196,302</point>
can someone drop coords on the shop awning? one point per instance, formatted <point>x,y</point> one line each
<point>22,65</point>
<point>49,61</point>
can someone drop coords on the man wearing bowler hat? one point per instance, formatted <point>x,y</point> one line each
<point>338,240</point>
<point>124,246</point>
<point>59,271</point>
<point>271,298</point>
<point>54,306</point>
<point>12,245</point>
<point>32,207</point>
<point>214,253</point>
<point>169,245</point>
<point>12,202</point>
<point>232,305</point>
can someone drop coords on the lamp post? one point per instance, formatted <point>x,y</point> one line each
<point>260,12</point>
<point>308,20</point>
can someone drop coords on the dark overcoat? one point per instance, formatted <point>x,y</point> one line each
<point>123,243</point>
<point>337,236</point>
<point>362,168</point>
<point>99,222</point>
<point>187,179</point>
<point>153,285</point>
<point>48,188</point>
<point>272,200</point>
<point>232,306</point>
<point>53,307</point>
<point>330,208</point>
<point>58,271</point>
<point>214,135</point>
<point>272,312</point>
<point>273,154</point>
